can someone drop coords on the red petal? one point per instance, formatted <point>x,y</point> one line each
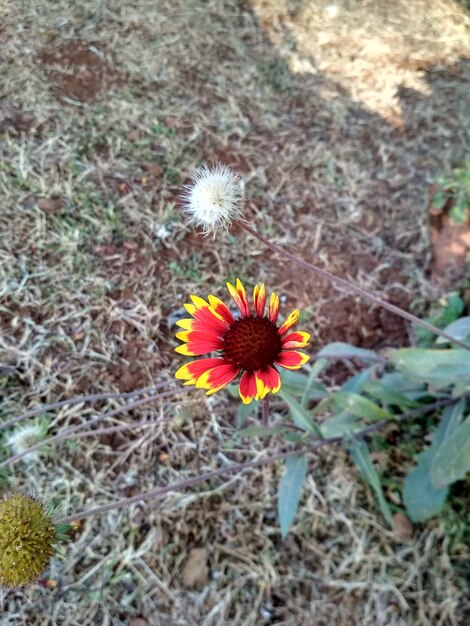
<point>198,342</point>
<point>267,380</point>
<point>273,307</point>
<point>207,321</point>
<point>259,300</point>
<point>247,389</point>
<point>297,339</point>
<point>290,321</point>
<point>292,360</point>
<point>238,294</point>
<point>217,377</point>
<point>221,309</point>
<point>192,370</point>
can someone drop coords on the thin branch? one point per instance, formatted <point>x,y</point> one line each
<point>239,467</point>
<point>344,283</point>
<point>189,482</point>
<point>70,431</point>
<point>78,399</point>
<point>118,429</point>
<point>438,404</point>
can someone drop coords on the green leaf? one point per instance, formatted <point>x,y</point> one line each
<point>296,383</point>
<point>387,395</point>
<point>341,350</point>
<point>361,457</point>
<point>450,420</point>
<point>459,329</point>
<point>441,368</point>
<point>233,391</point>
<point>300,416</point>
<point>452,460</point>
<point>362,407</point>
<point>459,211</point>
<point>439,200</point>
<point>318,366</point>
<point>290,488</point>
<point>293,437</point>
<point>314,385</point>
<point>412,390</point>
<point>62,532</point>
<point>421,498</point>
<point>342,424</point>
<point>355,383</point>
<point>452,310</point>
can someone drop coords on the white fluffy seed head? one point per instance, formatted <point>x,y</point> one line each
<point>23,437</point>
<point>213,199</point>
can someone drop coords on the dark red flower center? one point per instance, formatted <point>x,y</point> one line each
<point>252,343</point>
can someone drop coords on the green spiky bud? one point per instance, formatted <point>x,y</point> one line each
<point>27,537</point>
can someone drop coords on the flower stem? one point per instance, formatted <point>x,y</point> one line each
<point>344,283</point>
<point>266,411</point>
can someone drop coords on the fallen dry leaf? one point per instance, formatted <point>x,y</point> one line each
<point>138,621</point>
<point>402,526</point>
<point>195,569</point>
<point>134,135</point>
<point>154,169</point>
<point>50,205</point>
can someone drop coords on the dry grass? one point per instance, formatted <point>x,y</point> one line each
<point>338,126</point>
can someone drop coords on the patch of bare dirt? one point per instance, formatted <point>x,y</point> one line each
<point>77,70</point>
<point>343,316</point>
<point>135,364</point>
<point>18,123</point>
<point>128,266</point>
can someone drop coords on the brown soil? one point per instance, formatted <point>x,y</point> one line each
<point>77,70</point>
<point>338,315</point>
<point>19,123</point>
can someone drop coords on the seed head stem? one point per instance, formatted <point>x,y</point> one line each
<point>344,283</point>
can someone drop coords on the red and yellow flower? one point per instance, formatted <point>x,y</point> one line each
<point>253,344</point>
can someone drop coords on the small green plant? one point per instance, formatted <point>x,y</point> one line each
<point>257,356</point>
<point>408,384</point>
<point>449,309</point>
<point>454,192</point>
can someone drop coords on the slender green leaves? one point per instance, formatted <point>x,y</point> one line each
<point>459,329</point>
<point>422,498</point>
<point>452,460</point>
<point>300,416</point>
<point>440,368</point>
<point>362,407</point>
<point>361,457</point>
<point>290,488</point>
